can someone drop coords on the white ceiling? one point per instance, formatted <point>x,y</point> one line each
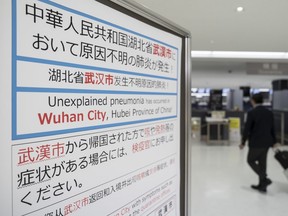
<point>216,26</point>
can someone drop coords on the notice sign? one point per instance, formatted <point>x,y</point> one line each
<point>234,130</point>
<point>75,71</point>
<point>95,112</point>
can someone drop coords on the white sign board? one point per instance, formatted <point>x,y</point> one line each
<point>92,112</point>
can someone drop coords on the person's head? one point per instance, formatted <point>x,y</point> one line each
<point>257,99</point>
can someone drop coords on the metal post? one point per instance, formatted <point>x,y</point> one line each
<point>282,128</point>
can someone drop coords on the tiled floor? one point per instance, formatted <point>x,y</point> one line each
<point>221,180</point>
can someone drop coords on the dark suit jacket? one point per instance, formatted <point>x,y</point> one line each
<point>259,128</point>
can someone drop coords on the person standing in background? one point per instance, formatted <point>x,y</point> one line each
<point>260,133</point>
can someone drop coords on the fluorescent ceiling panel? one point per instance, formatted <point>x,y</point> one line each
<point>239,55</point>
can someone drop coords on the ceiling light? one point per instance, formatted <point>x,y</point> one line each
<point>241,55</point>
<point>239,9</point>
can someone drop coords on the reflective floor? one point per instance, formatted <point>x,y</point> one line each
<point>221,180</point>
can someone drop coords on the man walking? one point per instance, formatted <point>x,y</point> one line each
<point>259,130</point>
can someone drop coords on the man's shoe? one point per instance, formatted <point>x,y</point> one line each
<point>260,188</point>
<point>255,187</point>
<point>263,185</point>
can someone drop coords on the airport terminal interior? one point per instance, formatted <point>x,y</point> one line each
<point>221,176</point>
